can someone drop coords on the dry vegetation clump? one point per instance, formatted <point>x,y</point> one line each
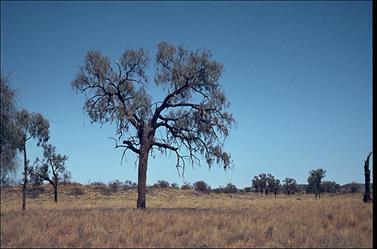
<point>184,218</point>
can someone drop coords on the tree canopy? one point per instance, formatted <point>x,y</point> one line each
<point>189,120</point>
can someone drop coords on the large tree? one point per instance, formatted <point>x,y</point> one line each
<point>189,120</point>
<point>51,168</point>
<point>314,181</point>
<point>32,126</point>
<point>9,132</point>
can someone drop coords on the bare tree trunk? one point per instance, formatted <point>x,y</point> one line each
<point>142,176</point>
<point>275,195</point>
<point>25,180</point>
<point>367,197</point>
<point>56,193</point>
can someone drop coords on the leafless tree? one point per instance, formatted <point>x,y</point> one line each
<point>188,121</point>
<point>367,197</point>
<point>32,125</point>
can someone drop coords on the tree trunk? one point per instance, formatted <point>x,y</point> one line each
<point>56,193</point>
<point>275,195</point>
<point>24,180</point>
<point>367,197</point>
<point>142,175</point>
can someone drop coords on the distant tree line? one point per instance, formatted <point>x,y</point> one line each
<point>263,184</point>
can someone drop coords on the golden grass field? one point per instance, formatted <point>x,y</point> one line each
<point>184,218</point>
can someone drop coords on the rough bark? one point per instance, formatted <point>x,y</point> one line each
<point>142,173</point>
<point>24,180</point>
<point>367,197</point>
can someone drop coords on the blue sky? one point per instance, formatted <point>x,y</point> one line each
<point>298,76</point>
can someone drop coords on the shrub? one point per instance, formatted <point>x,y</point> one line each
<point>35,191</point>
<point>174,185</point>
<point>161,184</point>
<point>218,190</point>
<point>247,189</point>
<point>202,186</point>
<point>129,185</point>
<point>186,186</point>
<point>101,187</point>
<point>115,186</point>
<point>76,191</point>
<point>230,188</point>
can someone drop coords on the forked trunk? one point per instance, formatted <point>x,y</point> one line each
<point>142,177</point>
<point>24,180</point>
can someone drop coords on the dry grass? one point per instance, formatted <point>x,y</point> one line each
<point>183,218</point>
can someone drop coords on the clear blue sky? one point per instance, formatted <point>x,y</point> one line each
<point>298,76</point>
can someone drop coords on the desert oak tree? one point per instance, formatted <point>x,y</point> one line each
<point>51,168</point>
<point>314,181</point>
<point>188,121</point>
<point>32,126</point>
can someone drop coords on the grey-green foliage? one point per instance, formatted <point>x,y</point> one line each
<point>314,180</point>
<point>274,185</point>
<point>9,132</point>
<point>51,167</point>
<point>190,119</point>
<point>202,186</point>
<point>330,187</point>
<point>32,126</point>
<point>259,183</point>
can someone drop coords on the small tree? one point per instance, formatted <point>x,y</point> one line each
<point>275,186</point>
<point>51,167</point>
<point>31,125</point>
<point>314,181</point>
<point>191,117</point>
<point>290,186</point>
<point>270,183</point>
